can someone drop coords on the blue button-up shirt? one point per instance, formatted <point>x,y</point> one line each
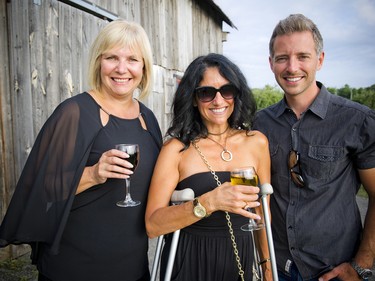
<point>318,226</point>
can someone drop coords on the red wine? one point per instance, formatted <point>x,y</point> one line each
<point>133,151</point>
<point>134,159</point>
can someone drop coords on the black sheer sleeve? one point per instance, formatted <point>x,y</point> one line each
<point>44,194</point>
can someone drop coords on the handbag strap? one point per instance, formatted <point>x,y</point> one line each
<point>227,216</point>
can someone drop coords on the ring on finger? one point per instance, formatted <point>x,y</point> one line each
<point>245,206</point>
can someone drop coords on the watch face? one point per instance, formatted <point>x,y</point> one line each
<point>367,274</point>
<point>364,273</point>
<point>199,212</point>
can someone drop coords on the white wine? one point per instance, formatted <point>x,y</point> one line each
<point>240,179</point>
<point>246,176</point>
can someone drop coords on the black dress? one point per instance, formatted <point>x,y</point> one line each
<point>106,241</point>
<point>98,240</point>
<point>205,249</point>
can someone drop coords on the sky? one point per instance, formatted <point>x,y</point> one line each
<point>347,27</point>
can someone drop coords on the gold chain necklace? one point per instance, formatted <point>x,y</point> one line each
<point>226,155</point>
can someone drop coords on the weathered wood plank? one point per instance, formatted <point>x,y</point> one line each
<point>20,76</point>
<point>7,177</point>
<point>51,56</point>
<point>65,51</point>
<point>37,62</point>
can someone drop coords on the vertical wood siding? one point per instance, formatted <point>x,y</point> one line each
<point>44,49</point>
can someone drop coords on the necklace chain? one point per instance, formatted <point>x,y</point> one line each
<point>226,155</point>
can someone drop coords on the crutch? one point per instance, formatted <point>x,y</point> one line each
<point>178,197</point>
<point>266,189</point>
<point>256,267</point>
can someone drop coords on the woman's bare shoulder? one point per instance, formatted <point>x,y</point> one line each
<point>173,144</point>
<point>259,136</point>
<point>253,136</point>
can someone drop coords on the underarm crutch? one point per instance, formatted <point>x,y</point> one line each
<point>178,197</point>
<point>266,189</point>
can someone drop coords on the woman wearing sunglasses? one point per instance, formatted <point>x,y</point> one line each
<point>210,135</point>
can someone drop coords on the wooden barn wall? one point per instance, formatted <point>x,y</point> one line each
<point>44,47</point>
<point>180,32</point>
<point>7,177</point>
<point>207,35</point>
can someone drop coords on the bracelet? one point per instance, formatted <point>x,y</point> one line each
<point>264,261</point>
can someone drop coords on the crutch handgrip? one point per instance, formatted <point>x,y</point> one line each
<point>184,195</point>
<point>266,189</point>
<point>178,197</point>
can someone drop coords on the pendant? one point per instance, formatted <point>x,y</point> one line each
<point>226,155</point>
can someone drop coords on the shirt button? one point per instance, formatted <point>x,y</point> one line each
<point>290,227</point>
<point>292,248</point>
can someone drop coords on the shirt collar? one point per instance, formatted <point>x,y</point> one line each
<point>319,106</point>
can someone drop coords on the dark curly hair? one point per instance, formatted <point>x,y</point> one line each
<point>187,124</point>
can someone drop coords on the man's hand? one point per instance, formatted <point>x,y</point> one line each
<point>344,272</point>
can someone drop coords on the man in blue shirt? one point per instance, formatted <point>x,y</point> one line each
<point>322,149</point>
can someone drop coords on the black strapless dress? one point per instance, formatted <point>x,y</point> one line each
<point>205,251</point>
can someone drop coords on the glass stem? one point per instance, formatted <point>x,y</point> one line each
<point>127,190</point>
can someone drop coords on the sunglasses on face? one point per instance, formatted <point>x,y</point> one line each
<point>207,94</point>
<point>295,168</point>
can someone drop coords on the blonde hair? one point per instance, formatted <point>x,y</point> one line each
<point>121,33</point>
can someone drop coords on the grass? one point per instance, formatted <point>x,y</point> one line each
<point>362,192</point>
<point>19,269</point>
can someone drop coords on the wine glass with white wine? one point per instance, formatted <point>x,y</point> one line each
<point>133,151</point>
<point>246,176</point>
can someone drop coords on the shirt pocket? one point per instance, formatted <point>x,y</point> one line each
<point>278,160</point>
<point>324,161</point>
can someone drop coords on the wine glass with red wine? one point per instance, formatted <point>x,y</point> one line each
<point>133,151</point>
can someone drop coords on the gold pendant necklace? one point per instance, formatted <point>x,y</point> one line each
<point>226,155</point>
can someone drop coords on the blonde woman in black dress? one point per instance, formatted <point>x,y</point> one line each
<point>64,205</point>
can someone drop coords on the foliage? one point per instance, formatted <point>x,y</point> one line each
<point>365,96</point>
<point>362,192</point>
<point>19,269</point>
<point>267,96</point>
<point>272,94</point>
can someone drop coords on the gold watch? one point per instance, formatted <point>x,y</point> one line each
<point>199,211</point>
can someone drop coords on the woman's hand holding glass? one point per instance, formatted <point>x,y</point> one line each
<point>233,198</point>
<point>247,176</point>
<point>112,164</point>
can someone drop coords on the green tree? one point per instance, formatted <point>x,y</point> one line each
<point>272,94</point>
<point>345,92</point>
<point>365,96</point>
<point>332,90</point>
<point>267,96</point>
